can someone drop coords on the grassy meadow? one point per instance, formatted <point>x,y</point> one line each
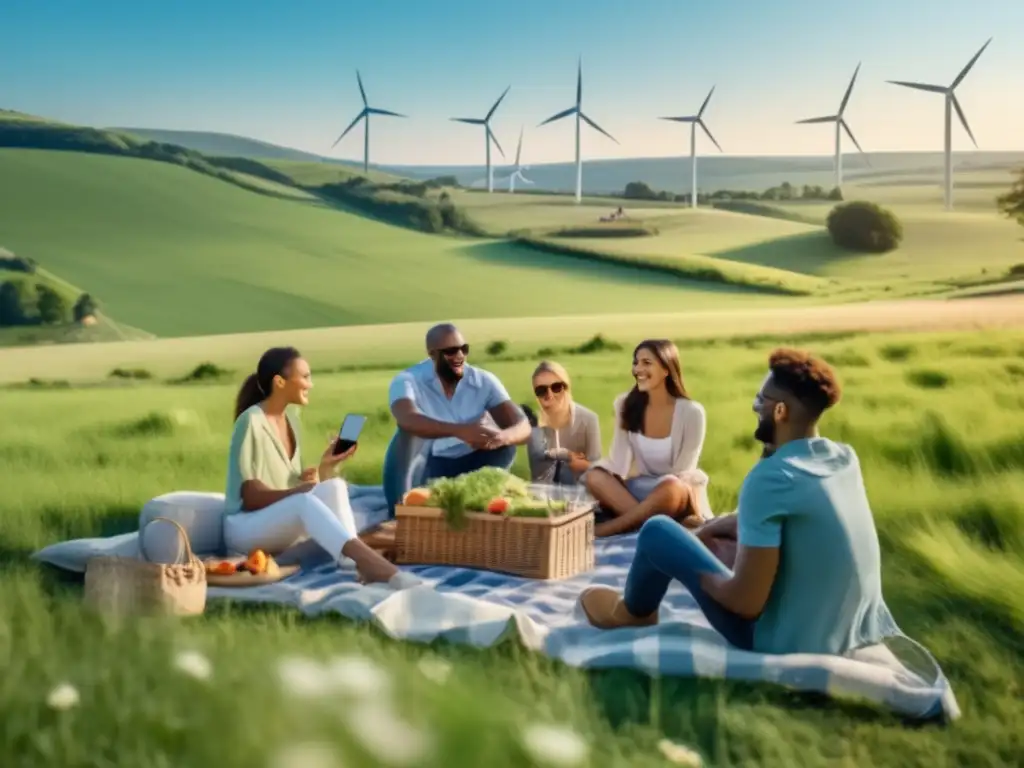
<point>936,419</point>
<point>229,260</point>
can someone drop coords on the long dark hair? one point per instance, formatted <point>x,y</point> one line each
<point>257,385</point>
<point>665,352</point>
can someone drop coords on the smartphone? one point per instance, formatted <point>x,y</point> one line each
<point>348,435</point>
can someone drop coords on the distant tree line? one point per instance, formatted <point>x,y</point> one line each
<point>639,190</point>
<point>1012,203</point>
<point>28,302</point>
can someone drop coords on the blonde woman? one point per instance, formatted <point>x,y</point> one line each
<point>566,438</point>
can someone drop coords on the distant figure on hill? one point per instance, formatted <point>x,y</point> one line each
<point>807,576</point>
<point>659,431</point>
<point>566,439</point>
<point>271,501</point>
<point>452,418</point>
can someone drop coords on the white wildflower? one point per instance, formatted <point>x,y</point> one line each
<point>64,696</point>
<point>554,745</point>
<point>310,754</point>
<point>435,670</point>
<point>388,737</point>
<point>303,677</point>
<point>357,676</point>
<point>194,664</point>
<point>680,755</point>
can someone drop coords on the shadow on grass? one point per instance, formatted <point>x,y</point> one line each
<point>807,253</point>
<point>513,254</point>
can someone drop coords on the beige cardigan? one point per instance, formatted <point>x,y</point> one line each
<point>689,426</point>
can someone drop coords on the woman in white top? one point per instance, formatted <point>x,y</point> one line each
<point>659,432</point>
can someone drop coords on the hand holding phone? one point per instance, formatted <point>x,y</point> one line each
<point>348,435</point>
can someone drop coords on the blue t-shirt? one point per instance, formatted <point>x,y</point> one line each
<point>477,393</point>
<point>809,499</point>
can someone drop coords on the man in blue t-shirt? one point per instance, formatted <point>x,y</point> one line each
<point>807,575</point>
<point>464,414</point>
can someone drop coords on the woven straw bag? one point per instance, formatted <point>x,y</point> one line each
<point>128,585</point>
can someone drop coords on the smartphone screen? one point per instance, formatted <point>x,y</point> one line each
<point>348,435</point>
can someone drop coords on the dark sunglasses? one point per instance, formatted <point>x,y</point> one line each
<point>453,351</point>
<point>556,389</point>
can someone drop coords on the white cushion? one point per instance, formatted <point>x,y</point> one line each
<point>200,513</point>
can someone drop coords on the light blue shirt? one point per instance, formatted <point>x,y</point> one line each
<point>809,498</point>
<point>475,395</point>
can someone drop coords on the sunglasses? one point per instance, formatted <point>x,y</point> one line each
<point>556,389</point>
<point>453,351</point>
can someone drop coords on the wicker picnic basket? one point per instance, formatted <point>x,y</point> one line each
<point>129,585</point>
<point>532,547</point>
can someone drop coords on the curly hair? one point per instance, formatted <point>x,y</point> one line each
<point>808,378</point>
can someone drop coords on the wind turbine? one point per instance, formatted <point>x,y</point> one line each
<point>951,104</point>
<point>488,136</point>
<point>365,115</point>
<point>694,121</point>
<point>577,110</point>
<point>841,123</point>
<point>518,171</point>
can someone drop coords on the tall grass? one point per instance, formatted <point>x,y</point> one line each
<point>944,470</point>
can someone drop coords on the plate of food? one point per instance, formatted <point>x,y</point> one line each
<point>255,569</point>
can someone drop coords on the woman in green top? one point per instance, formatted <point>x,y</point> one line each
<point>272,502</point>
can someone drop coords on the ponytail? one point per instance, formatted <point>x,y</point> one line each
<point>248,395</point>
<point>258,385</point>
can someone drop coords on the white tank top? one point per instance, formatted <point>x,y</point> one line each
<point>656,453</point>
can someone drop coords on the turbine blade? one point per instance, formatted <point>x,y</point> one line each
<point>849,89</point>
<point>579,82</point>
<point>560,115</point>
<point>702,125</point>
<point>963,119</point>
<point>519,148</point>
<point>362,91</point>
<point>375,111</point>
<point>492,137</point>
<point>470,120</point>
<point>703,106</point>
<point>351,125</point>
<point>496,104</point>
<point>850,134</point>
<point>919,86</point>
<point>690,119</point>
<point>808,121</point>
<point>597,127</point>
<point>965,70</point>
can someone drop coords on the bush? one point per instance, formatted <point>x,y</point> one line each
<point>84,307</point>
<point>17,303</point>
<point>53,308</point>
<point>864,226</point>
<point>13,263</point>
<point>496,348</point>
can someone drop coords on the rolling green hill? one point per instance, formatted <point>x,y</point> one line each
<point>176,252</point>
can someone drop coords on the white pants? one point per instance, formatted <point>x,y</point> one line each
<point>323,514</point>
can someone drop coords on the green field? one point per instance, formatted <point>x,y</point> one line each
<point>227,259</point>
<point>936,420</point>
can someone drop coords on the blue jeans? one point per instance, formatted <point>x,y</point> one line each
<point>439,466</point>
<point>665,550</point>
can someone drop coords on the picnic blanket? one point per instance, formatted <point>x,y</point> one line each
<point>482,609</point>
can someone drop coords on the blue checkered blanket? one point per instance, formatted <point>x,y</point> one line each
<point>482,608</point>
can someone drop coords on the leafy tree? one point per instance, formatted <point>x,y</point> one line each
<point>639,190</point>
<point>17,304</point>
<point>1012,203</point>
<point>85,305</point>
<point>863,226</point>
<point>53,309</point>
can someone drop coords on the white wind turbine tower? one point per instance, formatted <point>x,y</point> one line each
<point>694,121</point>
<point>518,171</point>
<point>365,115</point>
<point>577,109</point>
<point>841,125</point>
<point>488,136</point>
<point>951,104</point>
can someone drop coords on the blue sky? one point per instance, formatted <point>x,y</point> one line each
<point>284,71</point>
